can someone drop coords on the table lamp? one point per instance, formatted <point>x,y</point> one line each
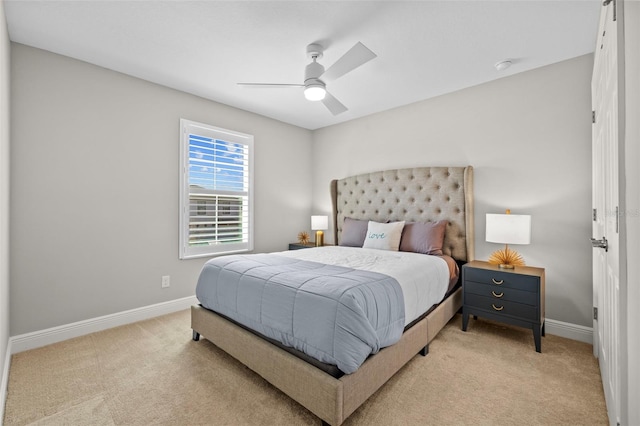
<point>319,224</point>
<point>508,229</point>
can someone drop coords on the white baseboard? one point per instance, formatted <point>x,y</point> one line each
<point>40,338</point>
<point>4,380</point>
<point>568,330</point>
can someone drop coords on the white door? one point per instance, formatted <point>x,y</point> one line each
<point>606,270</point>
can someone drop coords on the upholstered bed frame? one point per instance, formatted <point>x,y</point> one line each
<point>414,195</point>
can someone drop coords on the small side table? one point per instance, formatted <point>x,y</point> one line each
<point>512,296</point>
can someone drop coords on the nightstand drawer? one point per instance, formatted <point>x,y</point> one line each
<point>501,307</point>
<point>499,293</point>
<point>502,279</point>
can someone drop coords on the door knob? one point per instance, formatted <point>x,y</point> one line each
<point>600,243</point>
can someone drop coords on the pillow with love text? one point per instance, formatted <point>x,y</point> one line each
<point>383,236</point>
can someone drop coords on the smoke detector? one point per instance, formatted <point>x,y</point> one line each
<point>503,65</point>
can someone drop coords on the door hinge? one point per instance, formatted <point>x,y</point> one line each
<point>606,3</point>
<point>595,214</point>
<point>593,117</point>
<point>595,313</point>
<point>617,220</point>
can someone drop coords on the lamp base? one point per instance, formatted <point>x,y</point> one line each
<point>506,266</point>
<point>506,259</point>
<point>319,238</point>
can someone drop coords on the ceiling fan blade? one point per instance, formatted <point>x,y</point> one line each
<point>356,56</point>
<point>269,85</point>
<point>333,105</point>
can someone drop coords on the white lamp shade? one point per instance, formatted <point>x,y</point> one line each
<point>508,228</point>
<point>319,223</point>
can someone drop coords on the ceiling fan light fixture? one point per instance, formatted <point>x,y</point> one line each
<point>315,92</point>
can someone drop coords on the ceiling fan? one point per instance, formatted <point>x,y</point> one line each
<point>315,76</point>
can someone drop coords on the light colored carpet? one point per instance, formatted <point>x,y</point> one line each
<point>151,372</point>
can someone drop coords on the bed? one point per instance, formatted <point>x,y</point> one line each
<point>424,194</point>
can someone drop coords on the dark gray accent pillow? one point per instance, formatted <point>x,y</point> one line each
<point>426,238</point>
<point>354,231</point>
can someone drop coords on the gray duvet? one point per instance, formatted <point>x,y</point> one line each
<point>335,314</point>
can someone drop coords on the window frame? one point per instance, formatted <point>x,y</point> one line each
<point>187,251</point>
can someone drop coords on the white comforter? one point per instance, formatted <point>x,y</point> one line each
<point>424,279</point>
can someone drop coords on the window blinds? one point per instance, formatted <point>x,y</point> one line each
<point>217,169</point>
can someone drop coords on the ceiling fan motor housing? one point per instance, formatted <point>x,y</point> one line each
<point>313,71</point>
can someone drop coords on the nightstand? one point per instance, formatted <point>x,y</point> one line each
<point>298,246</point>
<point>512,296</point>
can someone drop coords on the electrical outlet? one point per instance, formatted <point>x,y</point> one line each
<point>166,281</point>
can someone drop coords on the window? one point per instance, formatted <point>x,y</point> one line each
<point>216,202</point>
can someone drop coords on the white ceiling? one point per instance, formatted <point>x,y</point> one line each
<point>424,48</point>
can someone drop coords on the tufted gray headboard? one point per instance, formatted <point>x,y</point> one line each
<point>420,194</point>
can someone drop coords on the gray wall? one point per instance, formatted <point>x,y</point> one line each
<point>95,187</point>
<point>93,229</point>
<point>4,196</point>
<point>528,137</point>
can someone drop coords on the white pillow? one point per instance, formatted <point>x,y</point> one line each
<point>383,236</point>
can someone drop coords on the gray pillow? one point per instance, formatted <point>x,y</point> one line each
<point>354,232</point>
<point>426,238</point>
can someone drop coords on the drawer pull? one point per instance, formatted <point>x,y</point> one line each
<point>497,308</point>
<point>496,294</point>
<point>497,282</point>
